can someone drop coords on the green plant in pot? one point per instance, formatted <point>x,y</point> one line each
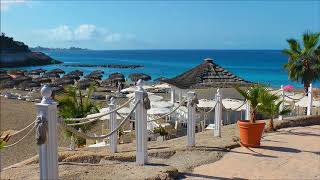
<point>75,105</point>
<point>269,105</point>
<point>251,129</point>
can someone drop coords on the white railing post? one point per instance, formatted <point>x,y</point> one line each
<point>173,95</point>
<point>218,115</point>
<point>48,152</point>
<point>282,104</point>
<point>309,107</point>
<point>191,126</point>
<point>141,127</point>
<point>248,113</point>
<point>113,125</point>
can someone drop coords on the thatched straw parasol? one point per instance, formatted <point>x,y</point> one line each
<point>63,81</point>
<point>21,78</point>
<point>75,72</point>
<point>160,79</point>
<point>3,71</point>
<point>36,72</point>
<point>71,76</point>
<point>57,71</point>
<point>51,75</point>
<point>136,76</point>
<point>207,74</point>
<point>28,84</point>
<point>6,84</point>
<point>16,72</point>
<point>42,80</point>
<point>97,72</point>
<point>93,76</point>
<point>5,77</point>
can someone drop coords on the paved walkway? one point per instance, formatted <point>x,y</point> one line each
<point>291,153</point>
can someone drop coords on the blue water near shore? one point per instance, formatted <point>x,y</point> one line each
<point>264,66</point>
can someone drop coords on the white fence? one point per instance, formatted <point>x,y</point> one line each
<point>47,121</point>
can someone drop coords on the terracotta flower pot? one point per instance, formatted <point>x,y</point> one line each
<point>250,133</point>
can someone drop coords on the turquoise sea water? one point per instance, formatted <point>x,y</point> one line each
<point>264,66</point>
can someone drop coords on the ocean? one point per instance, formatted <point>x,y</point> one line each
<point>263,66</point>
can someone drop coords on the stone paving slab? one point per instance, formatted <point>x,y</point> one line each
<point>291,153</point>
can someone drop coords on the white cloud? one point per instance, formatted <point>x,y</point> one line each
<point>85,32</point>
<point>6,4</point>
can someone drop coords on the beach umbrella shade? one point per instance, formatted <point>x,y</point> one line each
<point>76,72</point>
<point>51,75</point>
<point>20,78</point>
<point>28,84</point>
<point>16,72</point>
<point>63,81</point>
<point>288,88</point>
<point>137,76</point>
<point>155,98</point>
<point>42,80</point>
<point>97,72</point>
<point>233,104</point>
<point>132,94</point>
<point>161,104</point>
<point>158,111</point>
<point>93,76</point>
<point>159,79</point>
<point>71,76</point>
<point>162,86</point>
<point>7,84</point>
<point>3,71</point>
<point>5,77</point>
<point>57,71</point>
<point>206,103</point>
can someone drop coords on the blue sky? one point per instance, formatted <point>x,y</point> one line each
<point>159,25</point>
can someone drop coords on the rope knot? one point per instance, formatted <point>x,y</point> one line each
<point>146,101</point>
<point>41,129</point>
<point>194,100</point>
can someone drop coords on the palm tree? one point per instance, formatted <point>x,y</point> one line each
<point>304,60</point>
<point>72,106</point>
<point>269,105</point>
<point>252,96</point>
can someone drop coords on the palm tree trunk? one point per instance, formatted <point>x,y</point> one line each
<point>271,124</point>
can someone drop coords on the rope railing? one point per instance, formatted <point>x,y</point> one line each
<point>85,136</point>
<point>169,113</point>
<point>86,122</point>
<point>298,99</point>
<point>29,132</point>
<point>23,129</point>
<point>206,112</point>
<point>100,114</point>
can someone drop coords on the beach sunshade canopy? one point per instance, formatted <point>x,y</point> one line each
<point>16,72</point>
<point>57,71</point>
<point>75,73</point>
<point>97,72</point>
<point>51,75</point>
<point>161,104</point>
<point>155,98</point>
<point>159,79</point>
<point>132,94</point>
<point>137,76</point>
<point>42,80</point>
<point>206,103</point>
<point>158,111</point>
<point>207,74</point>
<point>71,76</point>
<point>162,86</point>
<point>5,77</point>
<point>233,104</point>
<point>288,88</point>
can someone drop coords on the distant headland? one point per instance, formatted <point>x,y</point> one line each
<point>16,54</point>
<point>39,48</point>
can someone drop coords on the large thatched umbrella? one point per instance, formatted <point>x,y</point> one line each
<point>93,76</point>
<point>57,71</point>
<point>63,81</point>
<point>36,72</point>
<point>5,77</point>
<point>97,71</point>
<point>21,78</point>
<point>75,72</point>
<point>51,75</point>
<point>16,72</point>
<point>137,76</point>
<point>207,74</point>
<point>71,76</point>
<point>42,80</point>
<point>114,78</point>
<point>6,84</point>
<point>28,84</point>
